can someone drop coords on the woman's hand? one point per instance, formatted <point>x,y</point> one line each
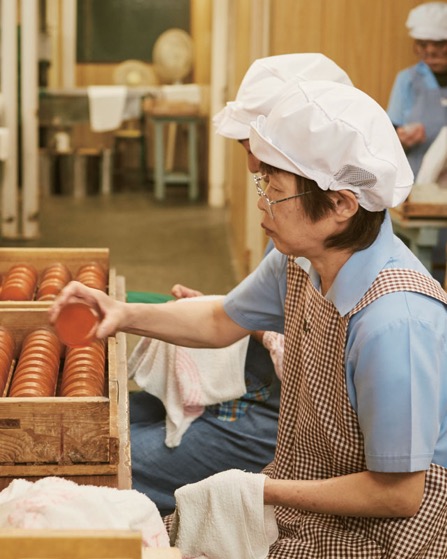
<point>411,134</point>
<point>181,292</point>
<point>111,312</point>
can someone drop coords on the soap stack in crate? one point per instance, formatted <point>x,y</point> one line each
<point>38,370</point>
<point>46,368</point>
<point>22,281</point>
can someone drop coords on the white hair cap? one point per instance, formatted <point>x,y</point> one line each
<point>337,136</point>
<point>428,21</point>
<point>259,88</point>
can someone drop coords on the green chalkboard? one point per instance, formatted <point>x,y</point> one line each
<point>117,30</point>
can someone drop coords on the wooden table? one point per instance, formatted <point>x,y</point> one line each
<point>420,235</point>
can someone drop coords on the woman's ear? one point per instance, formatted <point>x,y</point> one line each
<point>346,204</point>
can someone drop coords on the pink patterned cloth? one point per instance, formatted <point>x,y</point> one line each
<point>188,379</point>
<point>57,503</point>
<point>274,342</point>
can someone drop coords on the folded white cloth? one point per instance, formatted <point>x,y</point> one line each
<point>57,503</point>
<point>224,516</point>
<point>434,163</point>
<point>106,106</point>
<point>188,379</point>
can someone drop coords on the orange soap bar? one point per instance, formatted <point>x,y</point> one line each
<point>76,324</point>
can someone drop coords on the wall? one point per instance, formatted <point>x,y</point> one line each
<point>366,38</point>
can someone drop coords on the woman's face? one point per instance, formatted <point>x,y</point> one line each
<point>290,229</point>
<point>433,53</point>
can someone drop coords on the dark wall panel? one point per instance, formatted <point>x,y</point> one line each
<point>117,30</point>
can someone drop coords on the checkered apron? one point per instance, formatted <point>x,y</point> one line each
<point>319,435</point>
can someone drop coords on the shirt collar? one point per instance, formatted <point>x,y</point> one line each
<point>358,273</point>
<point>425,71</point>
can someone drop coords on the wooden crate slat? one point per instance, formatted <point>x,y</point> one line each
<point>79,544</point>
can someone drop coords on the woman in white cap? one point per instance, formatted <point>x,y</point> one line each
<point>418,101</point>
<point>360,468</point>
<point>238,433</point>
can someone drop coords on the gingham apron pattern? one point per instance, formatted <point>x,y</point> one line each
<point>319,436</point>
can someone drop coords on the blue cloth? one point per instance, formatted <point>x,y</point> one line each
<point>417,97</point>
<point>396,351</point>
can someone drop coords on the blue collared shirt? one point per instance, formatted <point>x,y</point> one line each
<point>403,96</point>
<point>396,350</point>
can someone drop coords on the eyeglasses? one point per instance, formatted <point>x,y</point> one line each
<point>267,202</point>
<point>423,46</point>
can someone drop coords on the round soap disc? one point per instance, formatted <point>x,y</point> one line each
<point>76,324</point>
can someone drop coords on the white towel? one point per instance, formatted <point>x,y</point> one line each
<point>224,517</point>
<point>57,503</point>
<point>434,163</point>
<point>188,379</point>
<point>106,106</point>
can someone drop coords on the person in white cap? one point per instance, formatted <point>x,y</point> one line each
<point>259,90</point>
<point>238,433</point>
<point>418,100</point>
<point>360,468</point>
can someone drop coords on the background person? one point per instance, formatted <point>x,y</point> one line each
<point>240,433</point>
<point>418,100</point>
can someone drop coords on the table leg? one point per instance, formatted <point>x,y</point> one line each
<point>159,161</point>
<point>79,176</point>
<point>106,186</point>
<point>192,155</point>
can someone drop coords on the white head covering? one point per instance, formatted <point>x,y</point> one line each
<point>339,137</point>
<point>259,88</point>
<point>428,21</point>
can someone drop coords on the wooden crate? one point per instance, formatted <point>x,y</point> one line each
<point>79,544</point>
<point>40,258</point>
<point>84,439</point>
<point>420,210</point>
